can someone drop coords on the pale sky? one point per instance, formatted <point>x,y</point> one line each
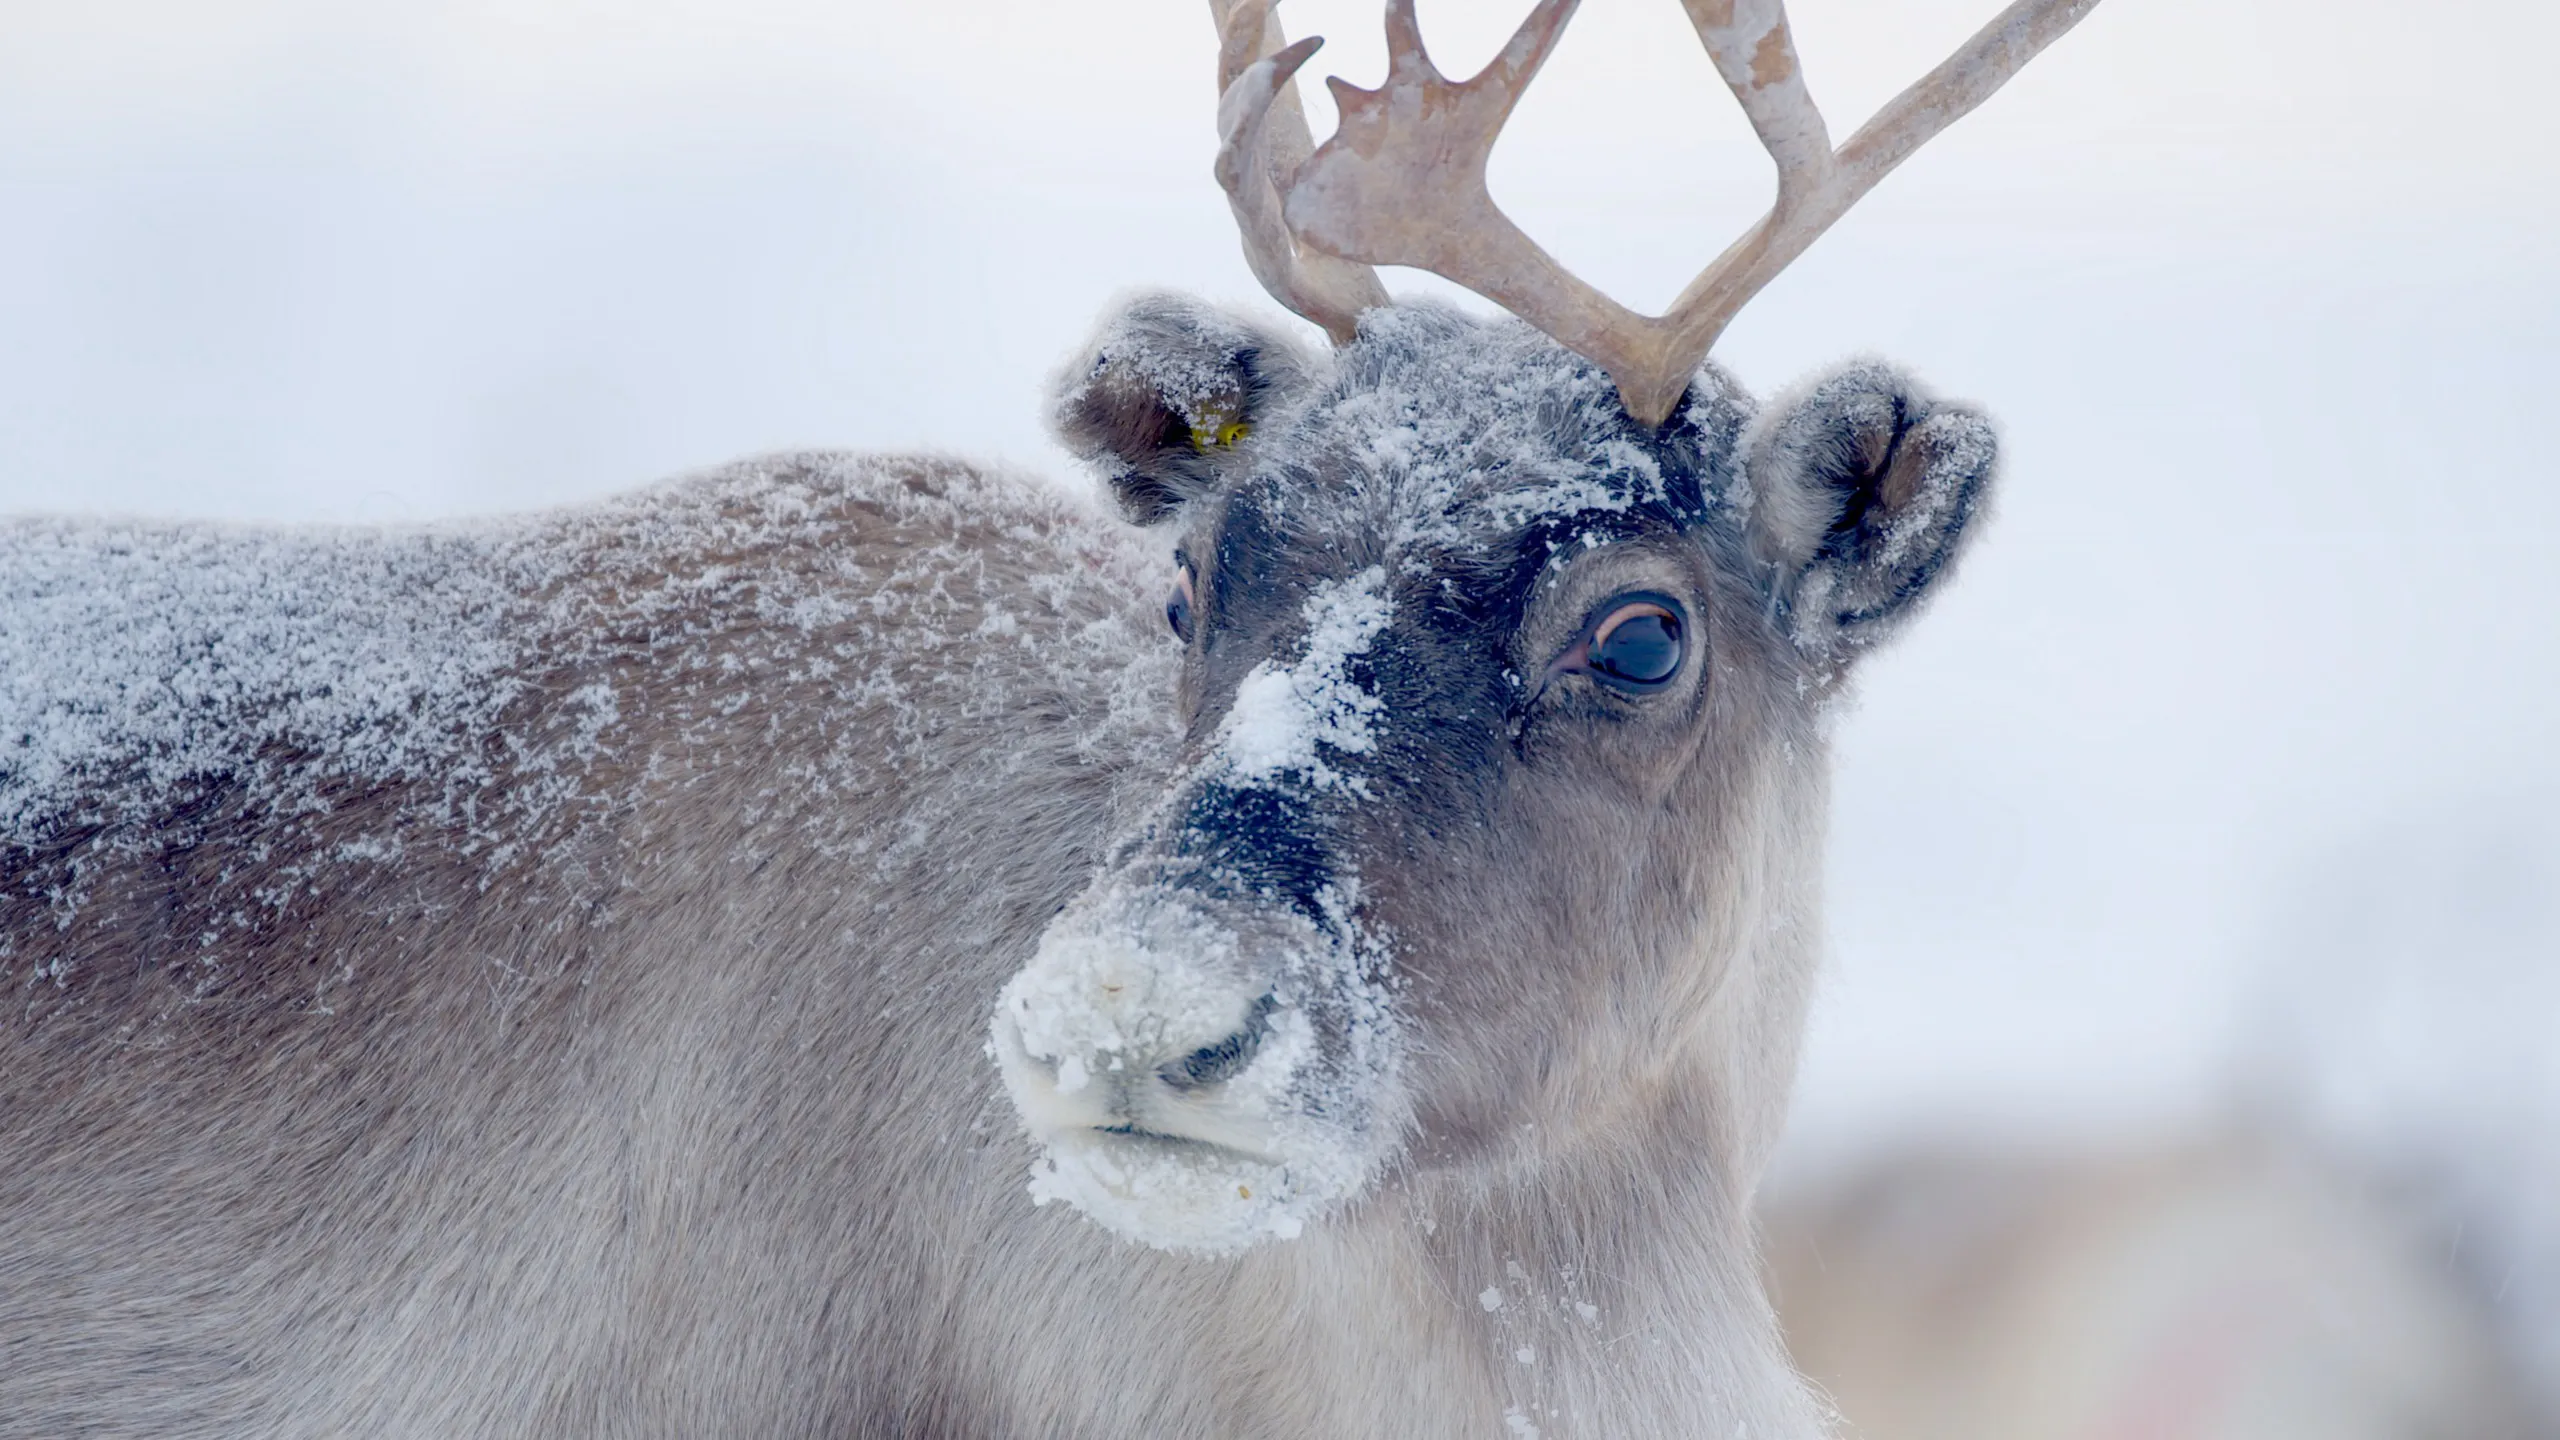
<point>2262,294</point>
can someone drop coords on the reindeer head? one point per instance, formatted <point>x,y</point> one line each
<point>1499,812</point>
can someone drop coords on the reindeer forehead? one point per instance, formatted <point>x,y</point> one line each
<point>1443,445</point>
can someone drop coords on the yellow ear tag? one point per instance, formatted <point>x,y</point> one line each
<point>1219,434</point>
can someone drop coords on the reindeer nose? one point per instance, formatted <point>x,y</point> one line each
<point>1110,1048</point>
<point>1216,1064</point>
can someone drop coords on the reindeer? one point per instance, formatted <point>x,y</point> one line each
<point>801,951</point>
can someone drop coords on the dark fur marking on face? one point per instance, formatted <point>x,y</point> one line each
<point>1445,671</point>
<point>1247,841</point>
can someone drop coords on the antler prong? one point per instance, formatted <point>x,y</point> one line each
<point>1755,52</point>
<point>1402,181</point>
<point>1262,135</point>
<point>1815,192</point>
<point>1962,81</point>
<point>1243,37</point>
<point>1406,57</point>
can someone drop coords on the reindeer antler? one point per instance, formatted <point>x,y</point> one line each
<point>1262,138</point>
<point>1402,182</point>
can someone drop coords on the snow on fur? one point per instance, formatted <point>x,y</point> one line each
<point>345,691</point>
<point>135,658</point>
<point>1130,968</point>
<point>1284,717</point>
<point>1461,434</point>
<point>1444,439</point>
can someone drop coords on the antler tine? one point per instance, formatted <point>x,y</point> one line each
<point>1404,44</point>
<point>1402,181</point>
<point>1756,54</point>
<point>1962,81</point>
<point>1753,51</point>
<point>1262,136</point>
<point>1247,31</point>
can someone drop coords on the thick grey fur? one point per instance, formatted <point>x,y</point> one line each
<point>661,1107</point>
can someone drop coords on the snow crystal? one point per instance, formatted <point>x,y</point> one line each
<point>1461,434</point>
<point>474,676</point>
<point>1133,978</point>
<point>1491,1299</point>
<point>1171,1195</point>
<point>1965,450</point>
<point>1197,382</point>
<point>1283,717</point>
<point>1091,984</point>
<point>1439,440</point>
<point>136,657</point>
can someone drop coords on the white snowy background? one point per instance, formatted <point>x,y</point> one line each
<point>2226,771</point>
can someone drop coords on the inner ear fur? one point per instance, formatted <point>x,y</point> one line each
<point>1166,397</point>
<point>1865,489</point>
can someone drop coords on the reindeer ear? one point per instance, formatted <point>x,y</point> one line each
<point>1864,493</point>
<point>1166,398</point>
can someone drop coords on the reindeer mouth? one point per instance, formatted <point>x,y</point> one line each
<point>1173,1192</point>
<point>1135,1134</point>
<point>1186,1069</point>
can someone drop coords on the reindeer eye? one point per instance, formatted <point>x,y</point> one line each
<point>1177,610</point>
<point>1638,646</point>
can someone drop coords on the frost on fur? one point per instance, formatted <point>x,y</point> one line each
<point>1284,718</point>
<point>359,699</point>
<point>1865,491</point>
<point>1207,1046</point>
<point>1192,1088</point>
